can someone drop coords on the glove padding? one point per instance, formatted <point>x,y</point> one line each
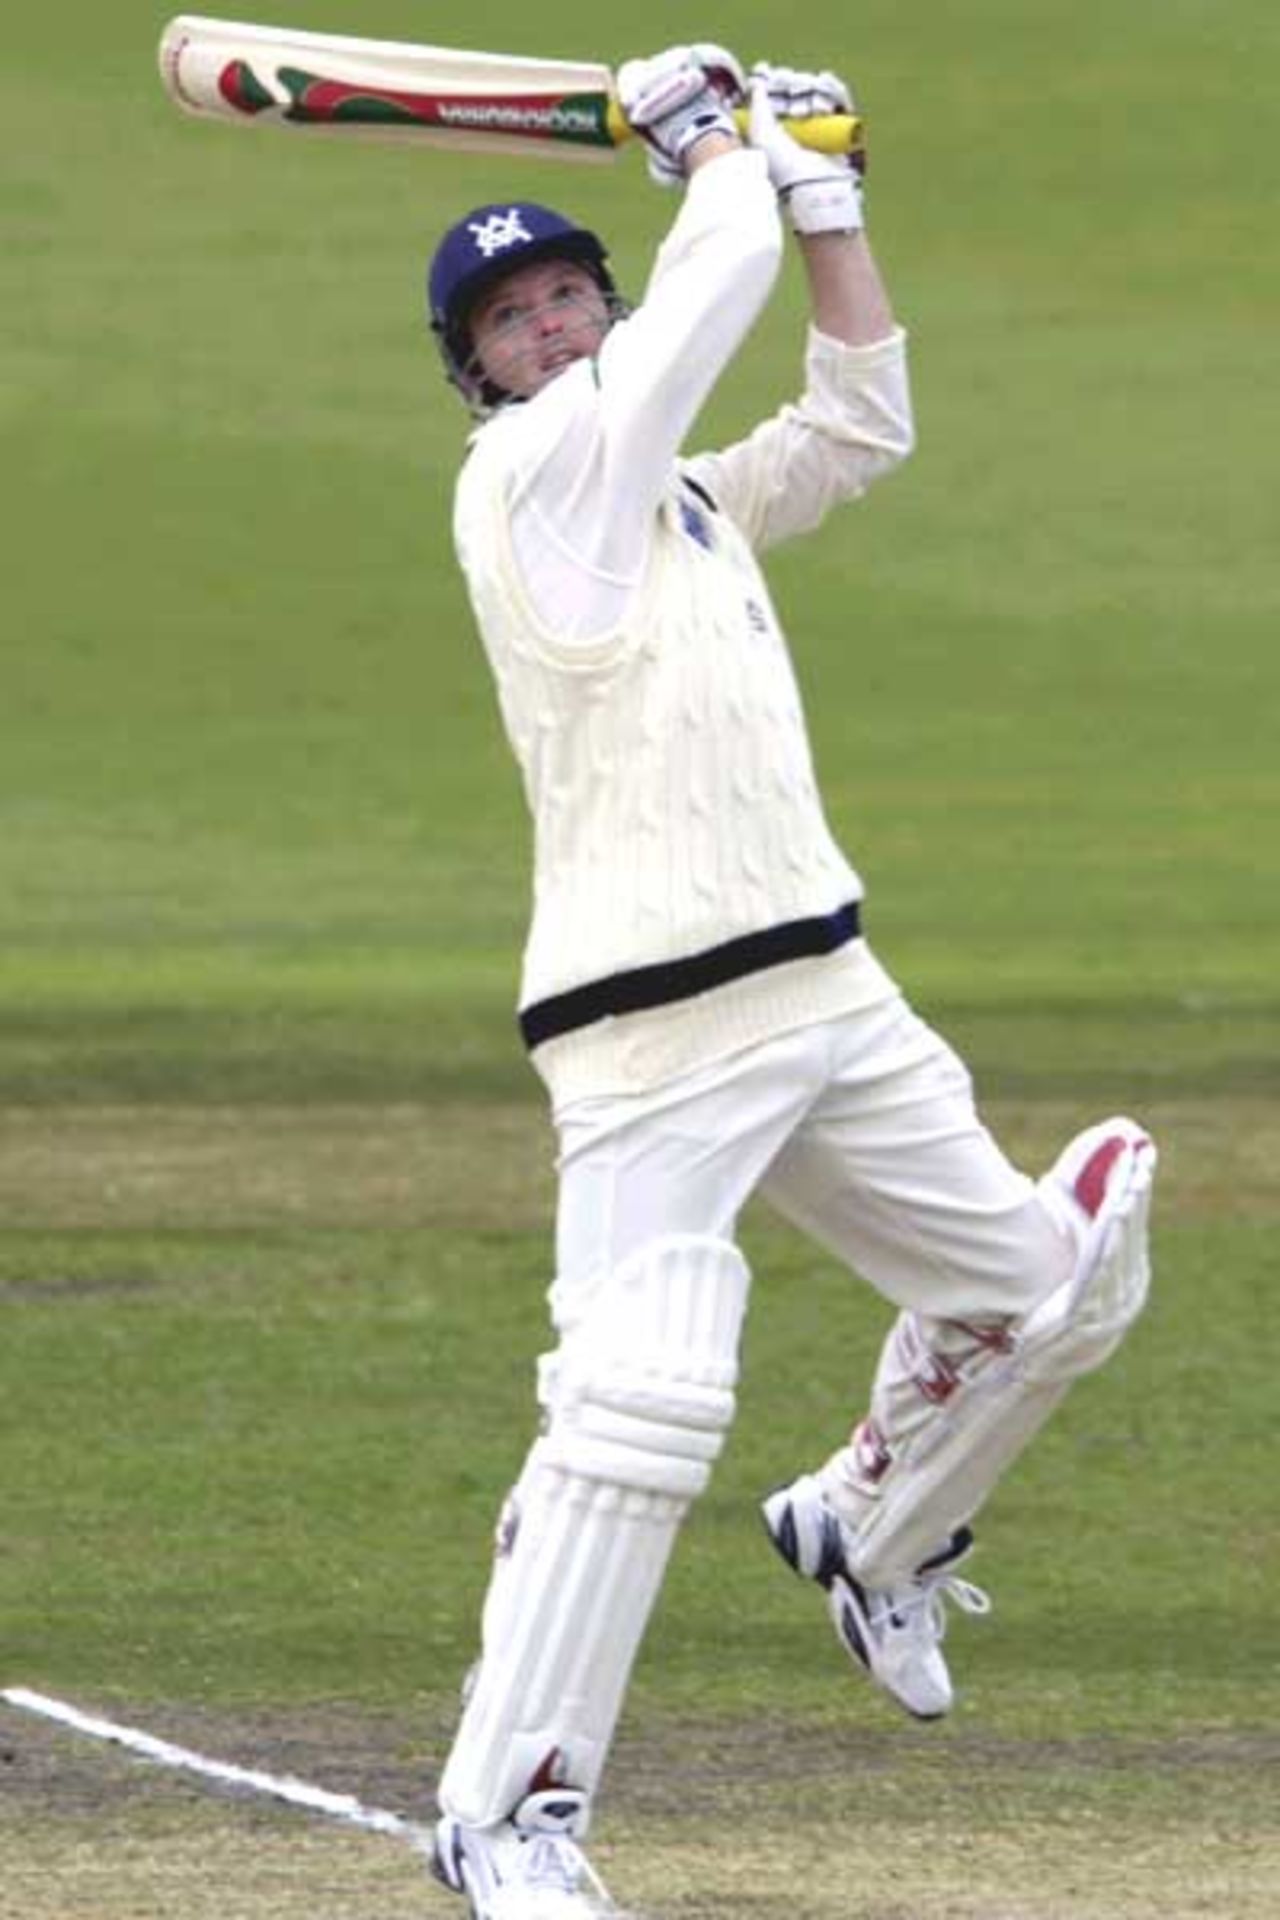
<point>675,98</point>
<point>822,193</point>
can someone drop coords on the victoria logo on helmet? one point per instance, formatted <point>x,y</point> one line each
<point>498,231</point>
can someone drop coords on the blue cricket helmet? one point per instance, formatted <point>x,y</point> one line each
<point>475,253</point>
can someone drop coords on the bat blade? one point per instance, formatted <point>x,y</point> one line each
<point>388,90</point>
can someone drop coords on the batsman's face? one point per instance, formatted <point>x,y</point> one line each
<point>536,322</point>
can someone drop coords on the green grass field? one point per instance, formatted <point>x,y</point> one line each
<point>275,1182</point>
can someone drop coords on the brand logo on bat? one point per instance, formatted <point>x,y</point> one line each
<point>502,117</point>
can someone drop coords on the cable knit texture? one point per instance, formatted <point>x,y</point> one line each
<point>671,784</point>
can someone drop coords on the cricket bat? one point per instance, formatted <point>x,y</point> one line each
<point>396,90</point>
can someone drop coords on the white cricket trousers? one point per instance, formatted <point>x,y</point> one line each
<point>860,1130</point>
<point>863,1132</point>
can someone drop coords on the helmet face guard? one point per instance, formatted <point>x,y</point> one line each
<point>474,255</point>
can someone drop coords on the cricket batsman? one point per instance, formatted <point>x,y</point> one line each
<point>698,993</point>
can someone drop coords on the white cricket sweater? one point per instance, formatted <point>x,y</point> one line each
<point>689,898</point>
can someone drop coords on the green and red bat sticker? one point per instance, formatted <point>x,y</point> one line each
<point>317,101</point>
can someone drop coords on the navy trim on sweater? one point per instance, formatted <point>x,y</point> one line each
<point>639,989</point>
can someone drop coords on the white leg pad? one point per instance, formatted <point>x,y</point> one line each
<point>643,1397</point>
<point>1079,1327</point>
<point>954,1405</point>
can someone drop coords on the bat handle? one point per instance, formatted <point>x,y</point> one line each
<point>835,133</point>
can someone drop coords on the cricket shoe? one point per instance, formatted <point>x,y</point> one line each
<point>894,1632</point>
<point>529,1867</point>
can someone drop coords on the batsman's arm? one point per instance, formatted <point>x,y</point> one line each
<point>850,427</point>
<point>848,300</point>
<point>853,421</point>
<point>710,279</point>
<point>595,454</point>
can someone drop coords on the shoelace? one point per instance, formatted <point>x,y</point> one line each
<point>551,1861</point>
<point>919,1607</point>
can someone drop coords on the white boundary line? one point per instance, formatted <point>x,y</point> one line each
<point>339,1806</point>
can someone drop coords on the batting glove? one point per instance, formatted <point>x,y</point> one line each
<point>822,193</point>
<point>675,99</point>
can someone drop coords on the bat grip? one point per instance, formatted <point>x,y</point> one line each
<point>834,133</point>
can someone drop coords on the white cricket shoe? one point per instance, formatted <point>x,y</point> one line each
<point>895,1632</point>
<point>527,1868</point>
